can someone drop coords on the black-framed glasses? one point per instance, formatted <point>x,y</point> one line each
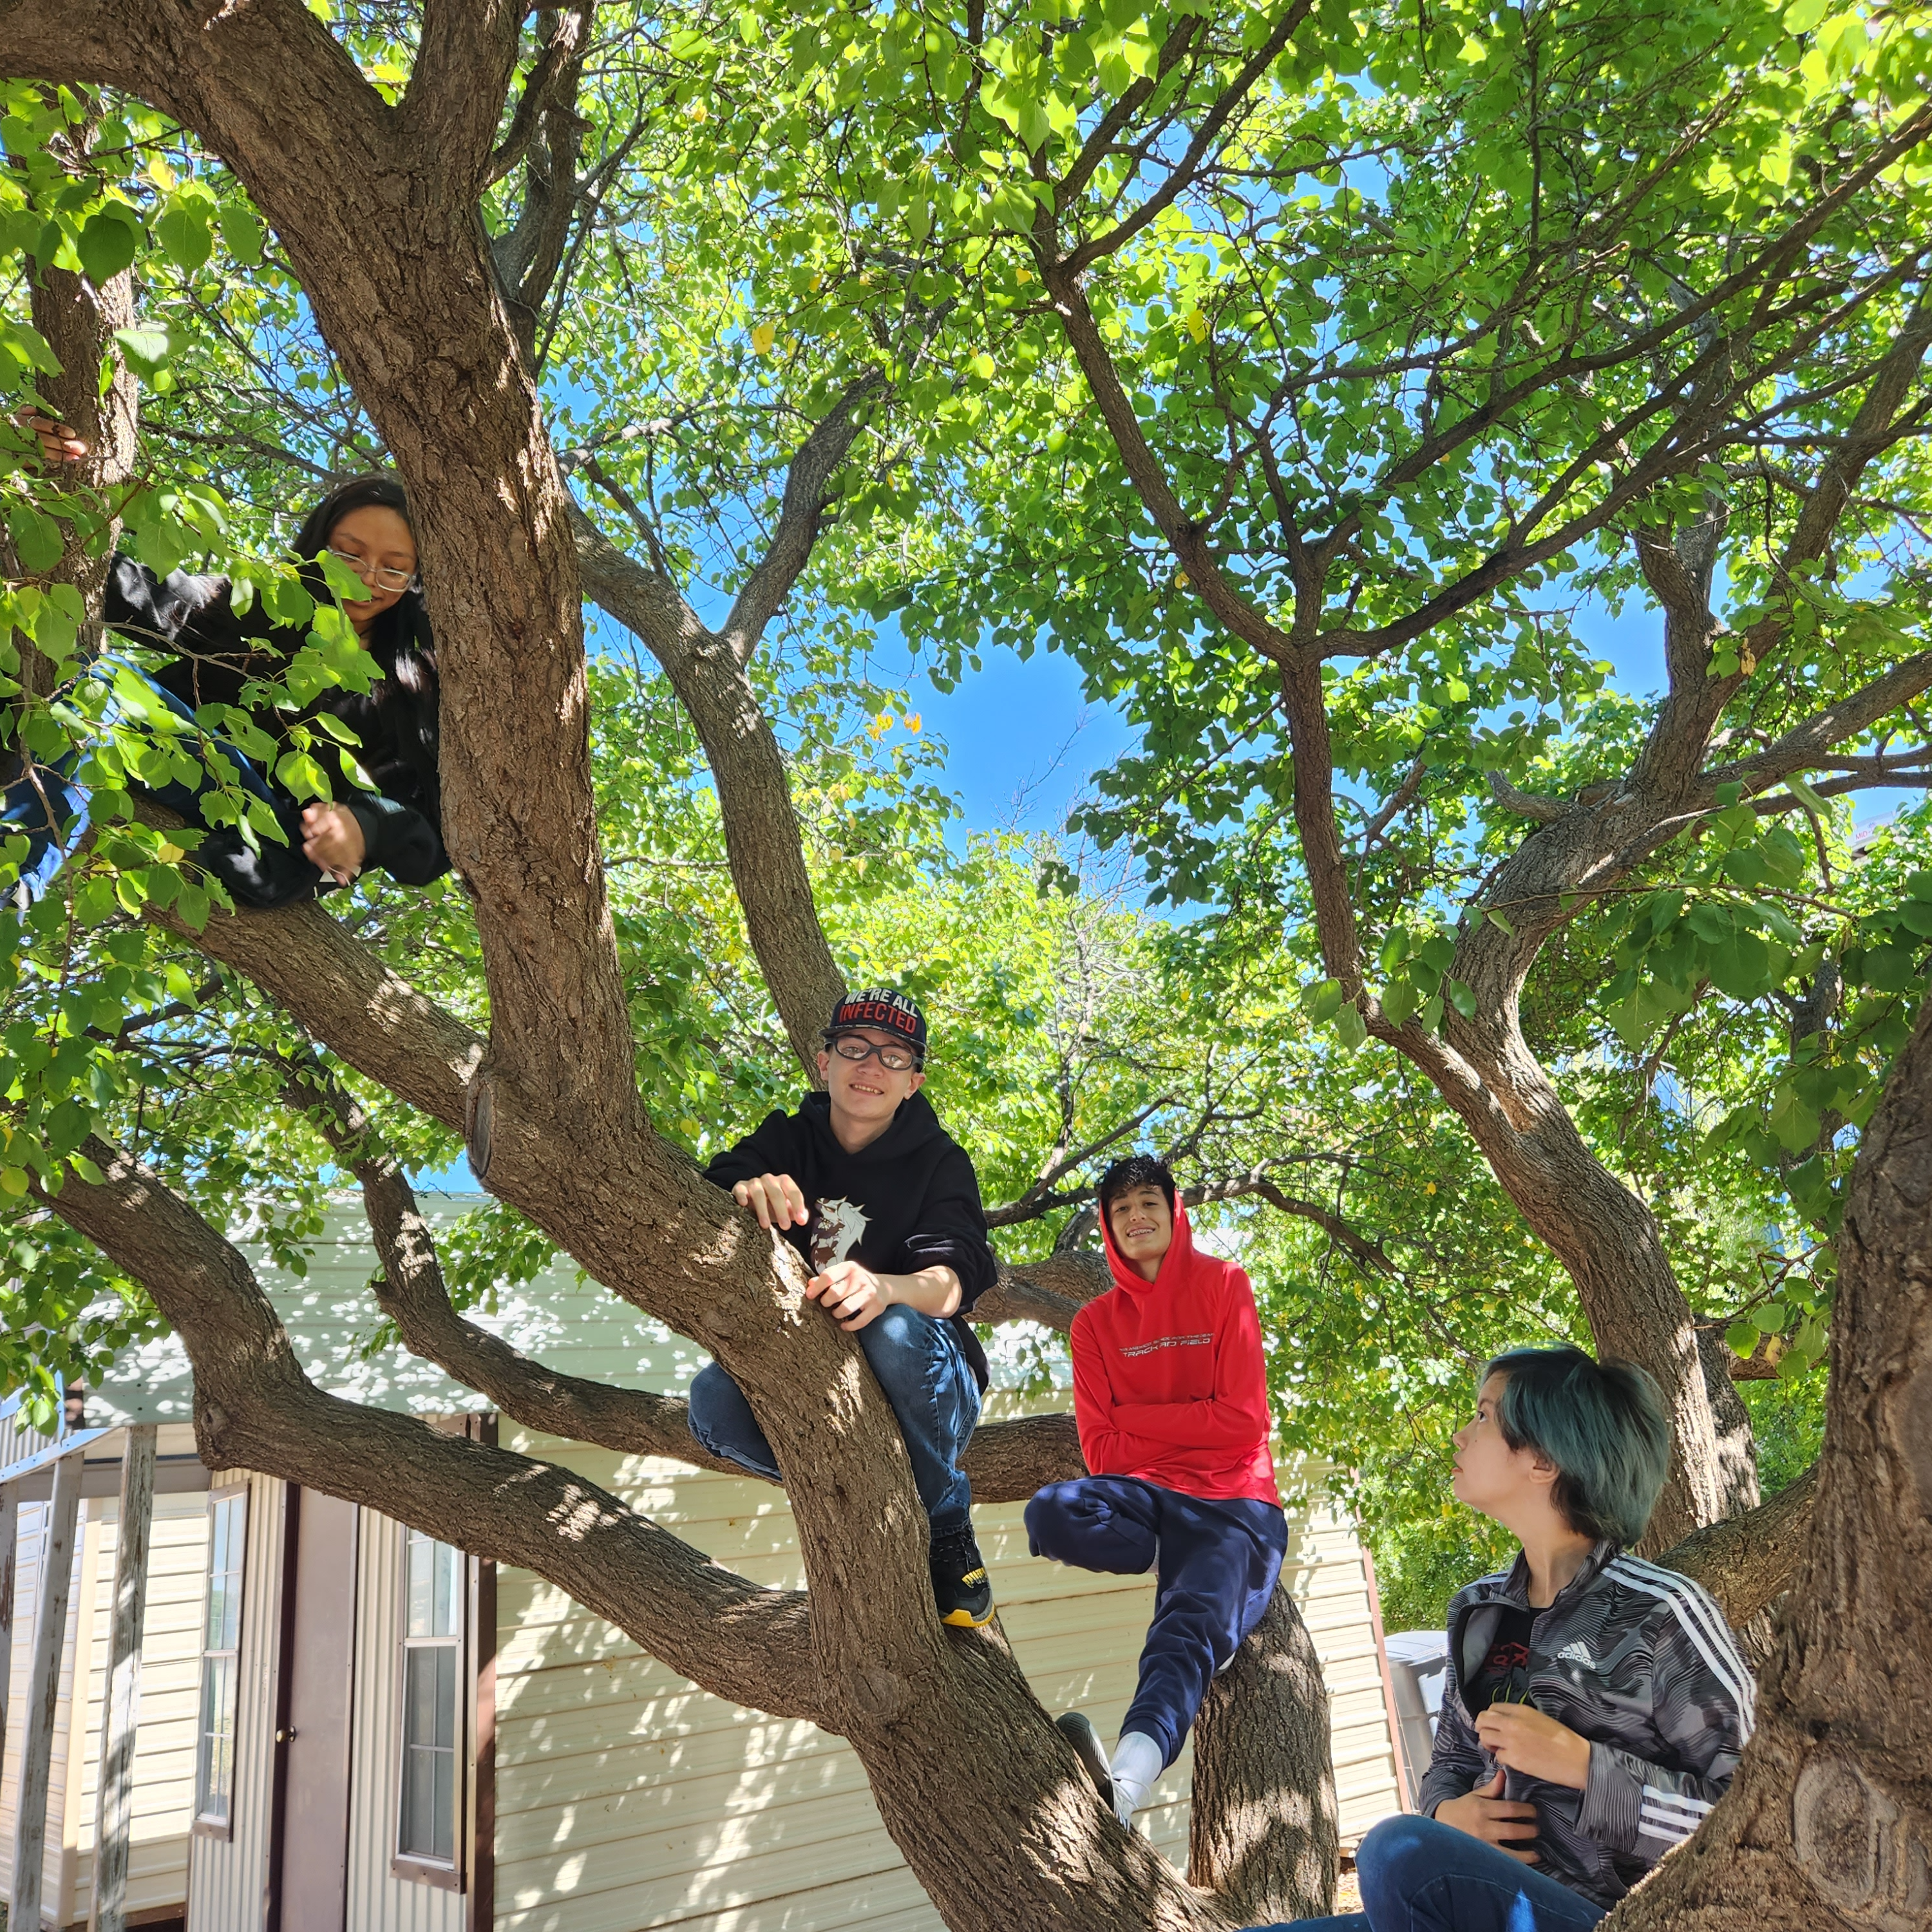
<point>389,579</point>
<point>893,1058</point>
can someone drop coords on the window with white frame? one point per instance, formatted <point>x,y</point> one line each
<point>220,1656</point>
<point>432,1669</point>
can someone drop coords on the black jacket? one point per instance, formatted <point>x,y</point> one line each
<point>214,653</point>
<point>909,1201</point>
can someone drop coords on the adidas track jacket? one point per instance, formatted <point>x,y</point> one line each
<point>1637,1659</point>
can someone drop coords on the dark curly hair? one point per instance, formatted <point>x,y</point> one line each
<point>1137,1170</point>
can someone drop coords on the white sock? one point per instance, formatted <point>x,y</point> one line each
<point>1137,1763</point>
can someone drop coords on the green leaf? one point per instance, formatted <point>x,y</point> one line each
<point>146,348</point>
<point>1802,15</point>
<point>1741,1338</point>
<point>1322,1001</point>
<point>182,230</point>
<point>1399,1000</point>
<point>36,539</point>
<point>1350,1027</point>
<point>1461,996</point>
<point>241,232</point>
<point>109,241</point>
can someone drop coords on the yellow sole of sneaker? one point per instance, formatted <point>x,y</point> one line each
<point>966,1620</point>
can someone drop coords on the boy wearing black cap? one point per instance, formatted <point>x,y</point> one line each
<point>884,1205</point>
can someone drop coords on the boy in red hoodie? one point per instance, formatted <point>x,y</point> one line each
<point>1171,1396</point>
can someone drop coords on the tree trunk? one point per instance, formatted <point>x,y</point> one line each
<point>1828,1826</point>
<point>1263,1833</point>
<point>79,321</point>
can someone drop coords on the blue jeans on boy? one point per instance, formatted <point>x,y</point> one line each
<point>922,1369</point>
<point>1216,1561</point>
<point>52,809</point>
<point>1417,1876</point>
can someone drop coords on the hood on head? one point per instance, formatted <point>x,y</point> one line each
<point>1174,1264</point>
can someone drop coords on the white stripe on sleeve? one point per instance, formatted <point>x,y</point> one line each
<point>1716,1650</point>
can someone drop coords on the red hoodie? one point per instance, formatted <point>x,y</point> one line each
<point>1168,1383</point>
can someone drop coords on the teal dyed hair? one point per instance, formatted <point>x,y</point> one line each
<point>1602,1423</point>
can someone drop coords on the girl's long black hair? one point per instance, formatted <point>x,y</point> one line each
<point>399,639</point>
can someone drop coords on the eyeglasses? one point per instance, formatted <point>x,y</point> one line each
<point>893,1059</point>
<point>378,580</point>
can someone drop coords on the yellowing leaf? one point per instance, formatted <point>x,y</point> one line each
<point>764,336</point>
<point>1195,323</point>
<point>982,366</point>
<point>160,173</point>
<point>698,113</point>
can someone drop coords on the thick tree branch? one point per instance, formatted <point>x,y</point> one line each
<point>465,56</point>
<point>553,76</point>
<point>1805,745</point>
<point>1750,1561</point>
<point>254,1409</point>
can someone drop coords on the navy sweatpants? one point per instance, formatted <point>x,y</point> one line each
<point>1216,1563</point>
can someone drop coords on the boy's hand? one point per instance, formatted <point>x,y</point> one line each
<point>850,1292</point>
<point>332,839</point>
<point>777,1200</point>
<point>1521,1737</point>
<point>1485,1814</point>
<point>58,443</point>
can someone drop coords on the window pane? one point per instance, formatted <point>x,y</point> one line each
<point>422,1553</point>
<point>445,1738</point>
<point>217,1779</point>
<point>427,1826</point>
<point>448,1602</point>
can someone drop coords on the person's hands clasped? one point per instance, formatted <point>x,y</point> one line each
<point>777,1200</point>
<point>851,1293</point>
<point>1520,1737</point>
<point>1485,1813</point>
<point>332,839</point>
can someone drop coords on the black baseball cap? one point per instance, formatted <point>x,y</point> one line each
<point>880,1006</point>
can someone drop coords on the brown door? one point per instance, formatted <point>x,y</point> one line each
<point>308,1859</point>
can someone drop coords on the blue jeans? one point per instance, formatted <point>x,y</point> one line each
<point>1420,1876</point>
<point>53,809</point>
<point>922,1369</point>
<point>1217,1562</point>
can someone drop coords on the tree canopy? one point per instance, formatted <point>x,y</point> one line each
<point>1314,377</point>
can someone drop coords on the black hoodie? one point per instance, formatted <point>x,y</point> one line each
<point>216,651</point>
<point>909,1200</point>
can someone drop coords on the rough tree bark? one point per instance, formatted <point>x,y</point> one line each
<point>1828,1826</point>
<point>1484,1068</point>
<point>984,1797</point>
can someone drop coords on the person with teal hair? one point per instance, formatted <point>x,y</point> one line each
<point>1595,1705</point>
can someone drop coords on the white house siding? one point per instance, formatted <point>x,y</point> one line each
<point>379,1901</point>
<point>228,1878</point>
<point>170,1683</point>
<point>627,1799</point>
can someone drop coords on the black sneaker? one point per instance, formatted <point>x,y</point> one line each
<point>1074,1727</point>
<point>960,1585</point>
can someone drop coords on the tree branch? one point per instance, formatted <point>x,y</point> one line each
<point>762,838</point>
<point>466,53</point>
<point>1749,1561</point>
<point>255,1409</point>
<point>812,467</point>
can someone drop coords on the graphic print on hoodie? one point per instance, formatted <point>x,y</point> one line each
<point>908,1201</point>
<point>1168,1381</point>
